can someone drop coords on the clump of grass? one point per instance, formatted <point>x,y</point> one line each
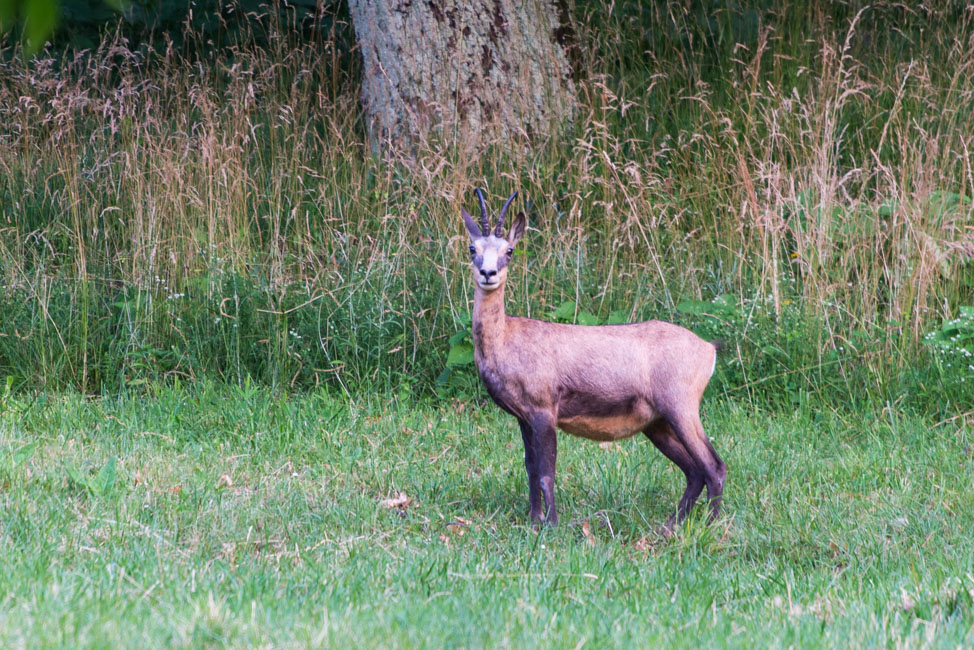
<point>217,212</point>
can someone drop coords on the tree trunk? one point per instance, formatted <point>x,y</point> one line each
<point>465,73</point>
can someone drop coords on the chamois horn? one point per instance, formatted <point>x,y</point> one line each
<point>499,230</point>
<point>484,225</point>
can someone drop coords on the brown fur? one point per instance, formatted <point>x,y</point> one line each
<point>604,382</point>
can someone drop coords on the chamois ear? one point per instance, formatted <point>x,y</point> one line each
<point>517,229</point>
<point>471,225</point>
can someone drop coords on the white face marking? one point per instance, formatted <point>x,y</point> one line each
<point>714,367</point>
<point>489,261</point>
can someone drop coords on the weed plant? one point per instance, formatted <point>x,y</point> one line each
<point>187,210</point>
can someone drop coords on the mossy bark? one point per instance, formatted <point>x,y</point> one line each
<point>464,73</point>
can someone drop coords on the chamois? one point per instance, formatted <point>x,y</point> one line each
<point>605,382</point>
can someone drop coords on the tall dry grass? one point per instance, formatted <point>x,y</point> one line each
<point>182,211</point>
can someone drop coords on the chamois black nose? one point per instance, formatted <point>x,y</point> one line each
<point>487,274</point>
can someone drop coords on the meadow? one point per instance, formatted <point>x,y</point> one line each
<point>225,517</point>
<point>238,403</point>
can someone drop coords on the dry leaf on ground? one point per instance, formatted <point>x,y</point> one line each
<point>587,532</point>
<point>400,502</point>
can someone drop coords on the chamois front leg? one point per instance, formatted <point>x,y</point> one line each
<point>544,445</point>
<point>531,465</point>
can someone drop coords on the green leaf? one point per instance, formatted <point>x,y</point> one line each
<point>565,312</point>
<point>8,13</point>
<point>694,307</point>
<point>105,480</point>
<point>40,17</point>
<point>619,317</point>
<point>78,477</point>
<point>726,303</point>
<point>23,453</point>
<point>460,355</point>
<point>585,318</point>
<point>101,484</point>
<point>444,377</point>
<point>460,337</point>
<point>724,306</point>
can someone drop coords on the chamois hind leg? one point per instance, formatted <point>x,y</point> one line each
<point>689,431</point>
<point>545,446</point>
<point>531,465</point>
<point>661,434</point>
<point>714,497</point>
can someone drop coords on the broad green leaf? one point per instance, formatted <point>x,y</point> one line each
<point>444,376</point>
<point>23,453</point>
<point>619,317</point>
<point>105,480</point>
<point>724,306</point>
<point>460,355</point>
<point>565,311</point>
<point>40,17</point>
<point>726,303</point>
<point>696,307</point>
<point>78,477</point>
<point>8,13</point>
<point>585,318</point>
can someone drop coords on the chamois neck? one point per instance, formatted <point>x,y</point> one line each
<point>489,319</point>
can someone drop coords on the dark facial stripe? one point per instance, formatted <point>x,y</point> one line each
<point>502,261</point>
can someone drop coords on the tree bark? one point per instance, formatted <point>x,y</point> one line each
<point>465,73</point>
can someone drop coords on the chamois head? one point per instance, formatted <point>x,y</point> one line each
<point>491,251</point>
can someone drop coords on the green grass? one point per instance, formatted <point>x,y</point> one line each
<point>237,516</point>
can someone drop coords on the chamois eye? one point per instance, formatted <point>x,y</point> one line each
<point>473,249</point>
<point>510,251</point>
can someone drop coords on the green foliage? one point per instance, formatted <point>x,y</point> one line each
<point>34,19</point>
<point>459,376</point>
<point>461,349</point>
<point>953,346</point>
<point>721,308</point>
<point>568,312</point>
<point>955,336</point>
<point>80,23</point>
<point>100,484</point>
<point>204,206</point>
<point>772,355</point>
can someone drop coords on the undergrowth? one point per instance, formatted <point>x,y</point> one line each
<point>797,178</point>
